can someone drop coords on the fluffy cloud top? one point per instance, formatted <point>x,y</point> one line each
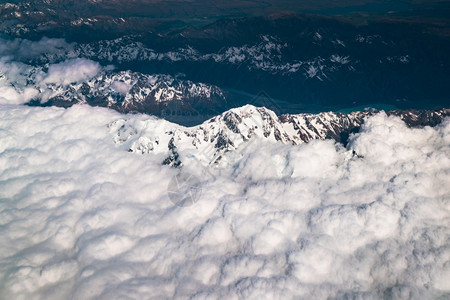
<point>13,83</point>
<point>83,218</point>
<point>74,70</point>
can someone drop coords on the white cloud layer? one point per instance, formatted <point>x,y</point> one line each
<point>82,218</point>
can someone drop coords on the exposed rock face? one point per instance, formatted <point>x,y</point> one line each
<point>127,91</point>
<point>320,63</point>
<point>231,130</point>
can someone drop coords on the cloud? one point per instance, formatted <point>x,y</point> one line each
<point>27,68</point>
<point>13,83</point>
<point>21,83</point>
<point>72,71</point>
<point>122,88</point>
<point>13,96</point>
<point>80,217</point>
<point>44,50</point>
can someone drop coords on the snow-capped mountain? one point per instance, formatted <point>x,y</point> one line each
<point>227,134</point>
<point>266,55</point>
<point>317,62</point>
<point>128,91</point>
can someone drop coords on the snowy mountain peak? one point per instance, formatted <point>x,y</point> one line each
<point>124,91</point>
<point>231,131</point>
<point>251,121</point>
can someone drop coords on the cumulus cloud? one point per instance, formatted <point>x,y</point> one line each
<point>121,87</point>
<point>71,71</point>
<point>13,83</point>
<point>14,96</point>
<point>83,218</point>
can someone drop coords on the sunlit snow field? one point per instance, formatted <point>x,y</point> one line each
<point>82,218</point>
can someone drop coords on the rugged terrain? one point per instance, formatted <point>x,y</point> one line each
<point>306,63</point>
<point>223,137</point>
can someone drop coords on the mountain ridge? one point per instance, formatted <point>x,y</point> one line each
<point>234,129</point>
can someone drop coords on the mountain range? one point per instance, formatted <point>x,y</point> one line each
<point>306,63</point>
<point>223,137</point>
